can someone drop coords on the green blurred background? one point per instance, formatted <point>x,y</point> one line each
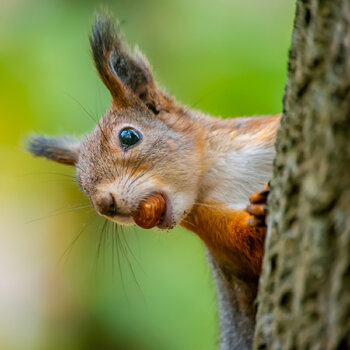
<point>149,290</point>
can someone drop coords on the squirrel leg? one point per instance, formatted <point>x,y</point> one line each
<point>235,240</point>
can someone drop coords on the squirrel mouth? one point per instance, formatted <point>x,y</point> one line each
<point>154,210</point>
<point>166,221</point>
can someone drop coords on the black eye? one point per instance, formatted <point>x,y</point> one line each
<point>129,137</point>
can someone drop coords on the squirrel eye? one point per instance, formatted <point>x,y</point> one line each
<point>129,137</point>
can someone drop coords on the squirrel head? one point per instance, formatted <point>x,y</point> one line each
<point>146,143</point>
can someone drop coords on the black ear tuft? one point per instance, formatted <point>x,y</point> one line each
<point>120,70</point>
<point>105,41</point>
<point>64,150</point>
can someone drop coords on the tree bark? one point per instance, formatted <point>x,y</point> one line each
<point>304,295</point>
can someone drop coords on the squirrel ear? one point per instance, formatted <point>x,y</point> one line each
<point>64,150</point>
<point>124,73</point>
<point>105,45</point>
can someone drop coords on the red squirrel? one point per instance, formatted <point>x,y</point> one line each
<point>200,171</point>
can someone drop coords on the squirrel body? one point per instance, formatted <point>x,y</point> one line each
<point>238,154</point>
<point>200,169</point>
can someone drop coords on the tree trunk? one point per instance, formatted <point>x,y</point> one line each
<point>304,296</point>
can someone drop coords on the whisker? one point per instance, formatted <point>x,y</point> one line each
<point>196,103</point>
<point>72,244</point>
<point>132,253</point>
<point>98,251</point>
<point>216,208</point>
<point>113,248</point>
<point>130,265</point>
<point>119,261</point>
<point>188,222</point>
<point>104,243</point>
<point>205,205</point>
<point>47,173</point>
<point>56,213</point>
<point>98,123</point>
<point>82,107</point>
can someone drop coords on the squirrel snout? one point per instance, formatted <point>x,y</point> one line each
<point>106,205</point>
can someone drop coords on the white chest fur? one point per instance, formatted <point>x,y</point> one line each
<point>238,172</point>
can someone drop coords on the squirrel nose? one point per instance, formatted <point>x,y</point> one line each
<point>106,205</point>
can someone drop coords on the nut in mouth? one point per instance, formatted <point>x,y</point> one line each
<point>151,211</point>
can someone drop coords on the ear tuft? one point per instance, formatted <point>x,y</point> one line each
<point>64,150</point>
<point>104,41</point>
<point>126,74</point>
<point>105,36</point>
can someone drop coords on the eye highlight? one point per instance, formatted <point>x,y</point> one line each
<point>129,137</point>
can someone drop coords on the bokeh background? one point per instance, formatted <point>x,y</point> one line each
<point>66,282</point>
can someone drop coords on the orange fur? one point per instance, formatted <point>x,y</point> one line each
<point>238,246</point>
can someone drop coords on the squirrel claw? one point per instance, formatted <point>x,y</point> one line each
<point>258,207</point>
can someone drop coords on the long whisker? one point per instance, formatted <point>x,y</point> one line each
<point>72,244</point>
<point>205,205</point>
<point>132,253</point>
<point>98,251</point>
<point>82,107</point>
<point>107,141</point>
<point>105,243</point>
<point>60,212</point>
<point>47,173</point>
<point>119,261</point>
<point>215,208</point>
<point>98,123</point>
<point>188,222</point>
<point>112,248</point>
<point>130,265</point>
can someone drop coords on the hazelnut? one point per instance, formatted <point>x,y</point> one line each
<point>150,211</point>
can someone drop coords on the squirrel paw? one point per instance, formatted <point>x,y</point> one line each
<point>258,207</point>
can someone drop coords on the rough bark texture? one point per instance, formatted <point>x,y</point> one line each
<point>304,297</point>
